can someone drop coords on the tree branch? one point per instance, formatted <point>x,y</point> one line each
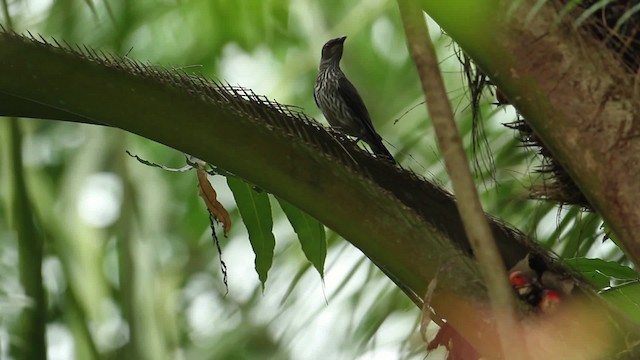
<point>468,201</point>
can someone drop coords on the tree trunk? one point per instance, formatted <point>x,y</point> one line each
<point>572,90</point>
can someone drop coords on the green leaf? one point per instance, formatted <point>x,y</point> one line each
<point>375,316</point>
<point>310,234</point>
<point>626,298</point>
<point>597,279</point>
<point>255,211</point>
<point>607,268</point>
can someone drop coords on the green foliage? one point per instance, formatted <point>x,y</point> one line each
<point>602,273</point>
<point>310,234</point>
<point>255,210</point>
<point>32,320</point>
<point>626,298</point>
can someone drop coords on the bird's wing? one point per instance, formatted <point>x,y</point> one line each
<point>355,103</point>
<point>353,99</point>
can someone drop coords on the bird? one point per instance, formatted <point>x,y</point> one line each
<point>340,102</point>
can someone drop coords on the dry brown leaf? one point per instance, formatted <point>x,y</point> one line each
<point>209,196</point>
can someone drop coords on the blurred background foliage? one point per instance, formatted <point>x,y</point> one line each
<point>128,265</point>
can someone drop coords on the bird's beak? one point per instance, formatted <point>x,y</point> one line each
<point>342,38</point>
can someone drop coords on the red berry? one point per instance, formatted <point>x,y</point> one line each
<point>518,279</point>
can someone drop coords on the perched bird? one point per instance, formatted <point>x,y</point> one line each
<point>340,102</point>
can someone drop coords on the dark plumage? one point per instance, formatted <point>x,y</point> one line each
<point>340,102</point>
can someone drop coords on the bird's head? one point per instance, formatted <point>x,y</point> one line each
<point>332,50</point>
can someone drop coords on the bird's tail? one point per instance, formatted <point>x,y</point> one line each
<point>379,149</point>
